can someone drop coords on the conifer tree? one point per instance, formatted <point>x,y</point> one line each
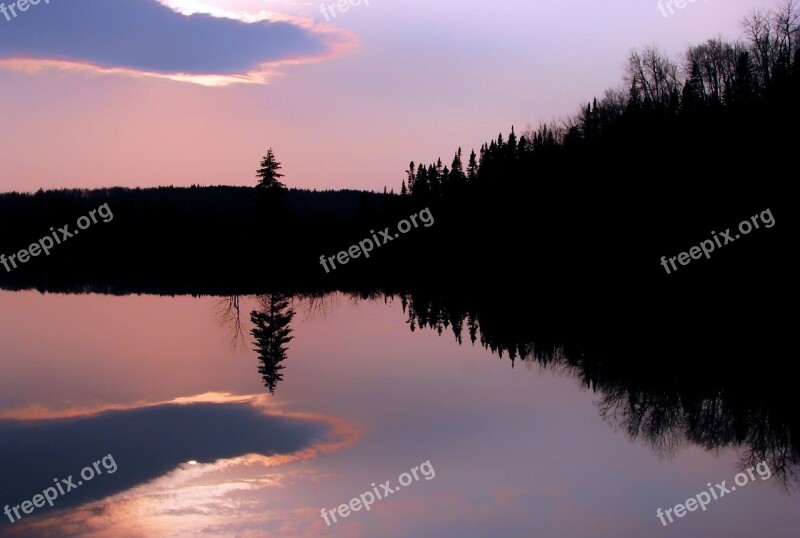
<point>268,174</point>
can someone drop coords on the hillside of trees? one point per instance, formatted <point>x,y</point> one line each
<point>720,98</point>
<point>581,211</point>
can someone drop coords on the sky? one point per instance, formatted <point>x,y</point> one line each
<point>138,93</point>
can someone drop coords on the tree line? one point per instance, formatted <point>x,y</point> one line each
<point>741,82</point>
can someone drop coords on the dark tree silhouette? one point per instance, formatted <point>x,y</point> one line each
<point>268,174</point>
<point>716,98</point>
<point>271,335</point>
<point>229,315</point>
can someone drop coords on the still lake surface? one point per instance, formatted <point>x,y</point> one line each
<point>201,447</point>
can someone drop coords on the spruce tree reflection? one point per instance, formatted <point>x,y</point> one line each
<point>272,333</point>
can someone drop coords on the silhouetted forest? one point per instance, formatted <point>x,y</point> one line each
<point>183,240</point>
<point>647,170</point>
<point>721,98</point>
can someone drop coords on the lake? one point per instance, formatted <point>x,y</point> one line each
<point>175,396</point>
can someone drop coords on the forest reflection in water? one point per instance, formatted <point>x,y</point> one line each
<point>664,394</point>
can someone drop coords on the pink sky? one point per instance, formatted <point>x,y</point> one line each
<point>399,81</point>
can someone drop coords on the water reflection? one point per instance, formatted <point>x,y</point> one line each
<point>145,442</point>
<point>678,396</point>
<point>414,396</point>
<point>664,393</point>
<point>271,333</point>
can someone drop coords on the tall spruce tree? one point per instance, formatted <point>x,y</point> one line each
<point>268,175</point>
<point>472,167</point>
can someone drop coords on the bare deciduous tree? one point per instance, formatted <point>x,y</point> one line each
<point>654,74</point>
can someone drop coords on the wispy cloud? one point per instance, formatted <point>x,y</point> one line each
<point>192,42</point>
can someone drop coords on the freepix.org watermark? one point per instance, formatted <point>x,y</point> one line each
<point>704,498</point>
<point>367,499</point>
<point>64,486</point>
<point>342,6</point>
<point>708,246</point>
<point>663,5</point>
<point>367,245</point>
<point>20,6</point>
<point>46,243</point>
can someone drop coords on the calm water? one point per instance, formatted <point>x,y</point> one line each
<point>201,447</point>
